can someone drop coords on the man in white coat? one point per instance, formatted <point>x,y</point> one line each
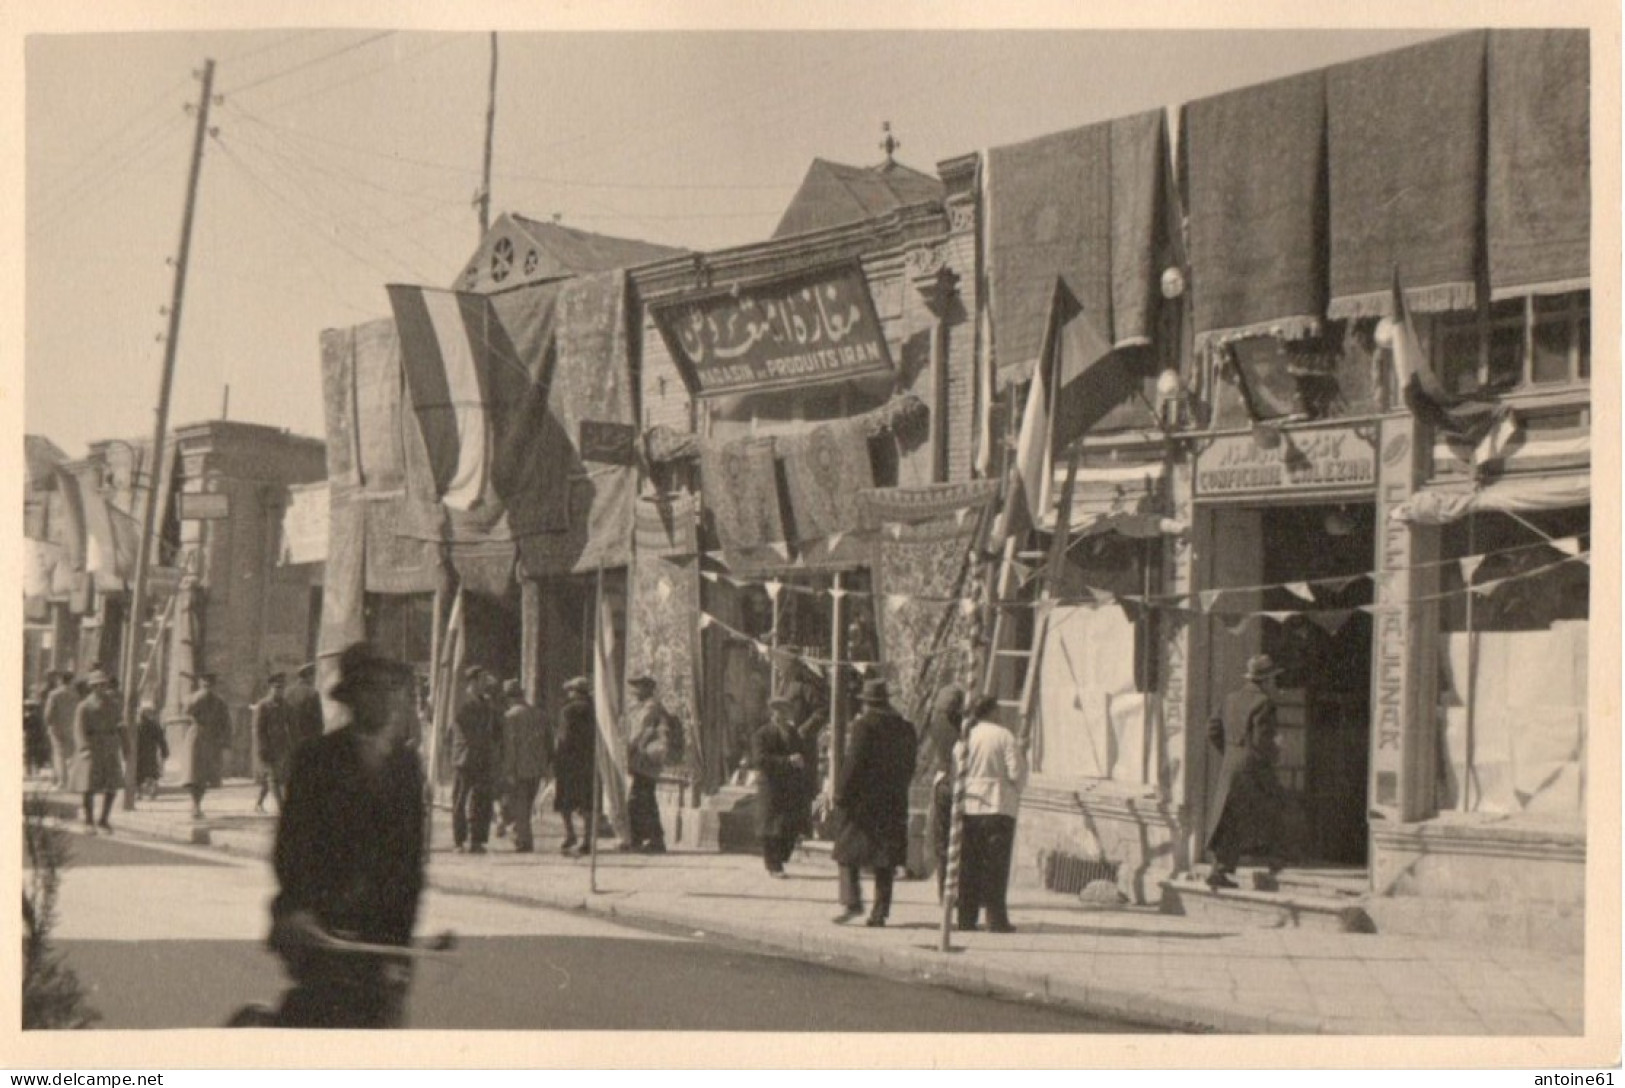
<point>995,775</point>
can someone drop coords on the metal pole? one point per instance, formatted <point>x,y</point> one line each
<point>598,764</point>
<point>143,560</point>
<point>837,682</point>
<point>490,134</point>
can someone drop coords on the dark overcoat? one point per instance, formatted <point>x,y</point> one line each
<point>784,802</point>
<point>207,732</point>
<point>573,758</point>
<point>305,712</point>
<point>349,845</point>
<point>271,728</point>
<point>98,764</point>
<point>151,748</point>
<point>1248,799</point>
<point>476,739</point>
<point>871,798</point>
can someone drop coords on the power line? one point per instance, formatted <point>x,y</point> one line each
<point>302,65</point>
<point>154,135</point>
<point>328,88</point>
<point>269,46</point>
<point>119,134</point>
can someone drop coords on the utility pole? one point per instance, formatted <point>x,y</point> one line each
<point>143,560</point>
<point>490,137</point>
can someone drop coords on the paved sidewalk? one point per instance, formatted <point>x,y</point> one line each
<point>1128,962</point>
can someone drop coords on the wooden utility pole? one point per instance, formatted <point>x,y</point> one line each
<point>490,138</point>
<point>143,559</point>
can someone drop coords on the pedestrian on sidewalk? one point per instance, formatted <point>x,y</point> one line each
<point>97,765</point>
<point>995,775</point>
<point>151,749</point>
<point>784,802</point>
<point>574,756</point>
<point>206,735</point>
<point>937,743</point>
<point>271,733</point>
<point>36,738</point>
<point>656,739</point>
<point>475,736</point>
<point>1249,799</point>
<point>304,707</point>
<point>349,855</point>
<point>525,753</point>
<point>60,706</point>
<point>871,802</point>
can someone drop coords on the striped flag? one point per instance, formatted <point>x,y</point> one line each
<point>446,340</point>
<point>1027,487</point>
<point>606,697</point>
<point>1488,424</point>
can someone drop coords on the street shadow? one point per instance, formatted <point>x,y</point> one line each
<point>1060,929</point>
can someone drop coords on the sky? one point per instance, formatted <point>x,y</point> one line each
<point>343,160</point>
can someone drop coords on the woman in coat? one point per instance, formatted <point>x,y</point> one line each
<point>1245,815</point>
<point>151,749</point>
<point>784,802</point>
<point>97,765</point>
<point>573,763</point>
<point>871,802</point>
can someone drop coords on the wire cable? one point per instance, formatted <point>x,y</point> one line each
<point>310,63</point>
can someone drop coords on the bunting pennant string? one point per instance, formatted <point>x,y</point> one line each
<point>1301,590</point>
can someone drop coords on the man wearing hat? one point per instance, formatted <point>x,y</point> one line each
<point>475,736</point>
<point>207,733</point>
<point>270,730</point>
<point>574,755</point>
<point>1245,814</point>
<point>871,802</point>
<point>304,707</point>
<point>784,802</point>
<point>97,765</point>
<point>60,705</point>
<point>349,854</point>
<point>525,752</point>
<point>655,740</point>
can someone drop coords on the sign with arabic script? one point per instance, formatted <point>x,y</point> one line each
<point>812,327</point>
<point>1340,458</point>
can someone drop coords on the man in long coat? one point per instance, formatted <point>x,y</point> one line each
<point>784,801</point>
<point>304,707</point>
<point>1245,816</point>
<point>60,705</point>
<point>573,763</point>
<point>349,854</point>
<point>97,765</point>
<point>871,802</point>
<point>476,734</point>
<point>207,733</point>
<point>651,729</point>
<point>525,756</point>
<point>271,731</point>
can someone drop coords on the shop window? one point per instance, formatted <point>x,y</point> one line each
<point>1514,636</point>
<point>1525,343</point>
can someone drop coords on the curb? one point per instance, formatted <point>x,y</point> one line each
<point>824,949</point>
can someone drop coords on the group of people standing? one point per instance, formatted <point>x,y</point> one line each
<point>502,750</point>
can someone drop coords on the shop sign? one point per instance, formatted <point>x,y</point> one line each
<point>812,327</point>
<point>1291,461</point>
<point>608,443</point>
<point>203,505</point>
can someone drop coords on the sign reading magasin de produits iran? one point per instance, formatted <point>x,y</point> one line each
<point>1342,458</point>
<point>812,327</point>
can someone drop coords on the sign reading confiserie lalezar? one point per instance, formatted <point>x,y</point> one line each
<point>811,327</point>
<point>1333,459</point>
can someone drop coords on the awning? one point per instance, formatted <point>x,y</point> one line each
<point>1517,496</point>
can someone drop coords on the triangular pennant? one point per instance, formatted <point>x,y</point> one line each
<point>896,601</point>
<point>960,515</point>
<point>710,576</point>
<point>1338,585</point>
<point>895,530</point>
<point>1331,621</point>
<point>705,620</point>
<point>1569,545</point>
<point>773,587</point>
<point>835,540</point>
<point>837,592</point>
<point>1209,597</point>
<point>1281,616</point>
<point>780,548</point>
<point>1300,590</point>
<point>1469,567</point>
<point>1484,589</point>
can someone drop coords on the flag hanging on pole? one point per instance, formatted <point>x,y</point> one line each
<point>1027,488</point>
<point>606,697</point>
<point>1488,424</point>
<point>443,334</point>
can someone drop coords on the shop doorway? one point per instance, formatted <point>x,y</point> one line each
<point>1298,580</point>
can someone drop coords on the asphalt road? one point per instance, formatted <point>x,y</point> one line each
<point>169,937</point>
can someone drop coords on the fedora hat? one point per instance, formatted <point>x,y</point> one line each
<point>361,665</point>
<point>875,691</point>
<point>1261,666</point>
